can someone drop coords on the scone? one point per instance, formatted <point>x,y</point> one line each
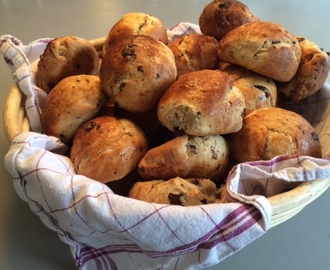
<point>220,17</point>
<point>259,91</point>
<point>136,23</point>
<point>202,103</point>
<point>177,191</point>
<point>136,71</point>
<point>263,47</point>
<point>72,102</point>
<point>194,52</point>
<point>186,157</point>
<point>312,72</point>
<point>270,132</point>
<point>107,149</point>
<point>66,56</point>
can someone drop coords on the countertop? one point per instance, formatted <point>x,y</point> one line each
<point>303,242</point>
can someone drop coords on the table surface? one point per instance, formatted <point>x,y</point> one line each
<point>302,243</point>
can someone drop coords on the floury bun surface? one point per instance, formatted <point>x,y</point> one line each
<point>136,71</point>
<point>202,103</point>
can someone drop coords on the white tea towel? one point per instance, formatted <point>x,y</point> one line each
<point>108,231</point>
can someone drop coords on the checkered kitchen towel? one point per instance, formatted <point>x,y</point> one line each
<point>108,231</point>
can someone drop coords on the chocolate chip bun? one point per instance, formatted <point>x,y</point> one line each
<point>177,191</point>
<point>270,132</point>
<point>66,56</point>
<point>263,47</point>
<point>202,103</point>
<point>186,157</point>
<point>220,17</point>
<point>136,23</point>
<point>312,72</point>
<point>194,52</point>
<point>136,71</point>
<point>73,101</point>
<point>259,91</point>
<point>107,148</point>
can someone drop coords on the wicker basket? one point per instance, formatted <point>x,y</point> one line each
<point>284,205</point>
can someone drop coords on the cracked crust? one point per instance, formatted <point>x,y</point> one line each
<point>107,149</point>
<point>269,132</point>
<point>263,47</point>
<point>187,156</point>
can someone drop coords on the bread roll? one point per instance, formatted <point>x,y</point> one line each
<point>186,157</point>
<point>136,71</point>
<point>177,191</point>
<point>259,91</point>
<point>264,47</point>
<point>270,132</point>
<point>220,17</point>
<point>72,102</point>
<point>194,52</point>
<point>312,72</point>
<point>107,149</point>
<point>202,103</point>
<point>66,56</point>
<point>136,23</point>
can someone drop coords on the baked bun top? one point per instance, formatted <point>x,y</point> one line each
<point>312,72</point>
<point>264,47</point>
<point>136,71</point>
<point>202,103</point>
<point>66,56</point>
<point>136,23</point>
<point>107,148</point>
<point>220,17</point>
<point>194,52</point>
<point>270,132</point>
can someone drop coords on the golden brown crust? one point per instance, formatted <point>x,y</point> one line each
<point>202,103</point>
<point>63,57</point>
<point>136,71</point>
<point>220,17</point>
<point>136,23</point>
<point>186,157</point>
<point>194,52</point>
<point>107,149</point>
<point>259,91</point>
<point>73,101</point>
<point>312,72</point>
<point>269,132</point>
<point>177,191</point>
<point>264,47</point>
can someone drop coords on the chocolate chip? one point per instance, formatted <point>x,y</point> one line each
<point>91,126</point>
<point>262,88</point>
<point>315,136</point>
<point>175,198</point>
<point>129,52</point>
<point>140,69</point>
<point>122,86</point>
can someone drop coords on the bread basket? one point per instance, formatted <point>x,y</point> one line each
<point>283,206</point>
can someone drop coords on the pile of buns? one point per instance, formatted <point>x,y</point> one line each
<point>164,121</point>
